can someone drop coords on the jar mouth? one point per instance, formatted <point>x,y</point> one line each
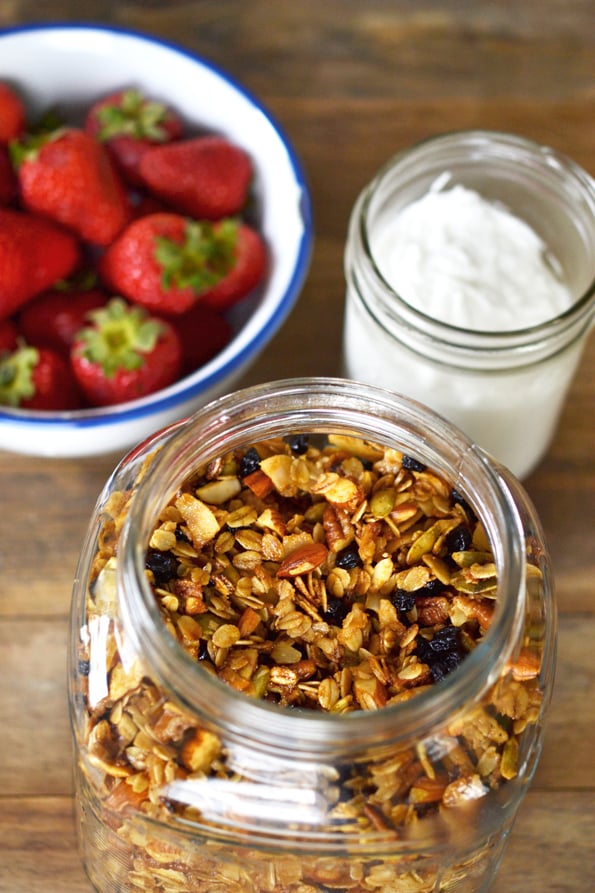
<point>322,405</point>
<point>480,146</point>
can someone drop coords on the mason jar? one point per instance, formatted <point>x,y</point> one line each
<point>504,387</point>
<point>270,700</point>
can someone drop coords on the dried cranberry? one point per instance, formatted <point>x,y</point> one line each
<point>163,566</point>
<point>249,463</point>
<point>348,557</point>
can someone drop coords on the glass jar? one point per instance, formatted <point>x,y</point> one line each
<point>505,389</point>
<point>414,797</point>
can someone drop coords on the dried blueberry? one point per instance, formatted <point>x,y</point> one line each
<point>182,536</point>
<point>298,443</point>
<point>442,654</point>
<point>163,566</point>
<point>432,587</point>
<point>458,540</point>
<point>403,601</point>
<point>349,557</point>
<point>336,611</point>
<point>445,665</point>
<point>84,667</point>
<point>203,650</point>
<point>446,639</point>
<point>249,463</point>
<point>411,464</point>
<point>424,651</point>
<point>458,499</point>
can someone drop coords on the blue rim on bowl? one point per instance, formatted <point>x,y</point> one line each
<point>254,333</point>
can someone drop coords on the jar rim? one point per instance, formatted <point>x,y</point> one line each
<point>323,405</point>
<point>482,141</point>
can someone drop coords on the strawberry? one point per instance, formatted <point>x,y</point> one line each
<point>8,180</point>
<point>131,267</point>
<point>53,318</point>
<point>203,333</point>
<point>37,378</point>
<point>124,354</point>
<point>246,273</point>
<point>34,254</point>
<point>12,114</point>
<point>68,176</point>
<point>205,177</point>
<point>166,262</point>
<point>8,336</point>
<point>129,124</point>
<point>142,204</point>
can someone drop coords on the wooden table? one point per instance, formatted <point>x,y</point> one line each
<point>351,82</point>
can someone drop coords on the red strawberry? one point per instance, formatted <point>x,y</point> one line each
<point>68,176</point>
<point>8,336</point>
<point>143,204</point>
<point>34,254</point>
<point>203,333</point>
<point>206,177</point>
<point>53,318</point>
<point>130,265</point>
<point>124,354</point>
<point>167,262</point>
<point>248,271</point>
<point>37,378</point>
<point>8,180</point>
<point>129,124</point>
<point>12,114</point>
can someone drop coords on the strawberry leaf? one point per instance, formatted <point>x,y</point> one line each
<point>16,376</point>
<point>29,146</point>
<point>132,116</point>
<point>52,119</point>
<point>119,337</point>
<point>203,259</point>
<point>83,281</point>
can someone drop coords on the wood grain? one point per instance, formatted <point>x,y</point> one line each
<point>351,83</point>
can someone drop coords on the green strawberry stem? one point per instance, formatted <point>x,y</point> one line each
<point>203,259</point>
<point>16,376</point>
<point>29,146</point>
<point>85,280</point>
<point>119,337</point>
<point>133,116</point>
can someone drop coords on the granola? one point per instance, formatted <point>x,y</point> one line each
<point>335,577</point>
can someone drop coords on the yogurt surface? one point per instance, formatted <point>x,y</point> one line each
<point>469,262</point>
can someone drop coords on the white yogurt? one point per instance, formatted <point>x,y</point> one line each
<point>484,282</point>
<point>511,414</point>
<point>469,263</point>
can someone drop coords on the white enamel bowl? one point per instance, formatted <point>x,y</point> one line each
<point>73,64</point>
